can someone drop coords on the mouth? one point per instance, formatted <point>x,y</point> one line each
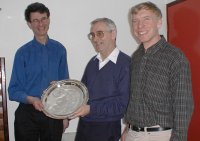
<point>142,32</point>
<point>42,28</point>
<point>98,44</point>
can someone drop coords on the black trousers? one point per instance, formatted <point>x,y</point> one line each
<point>98,131</point>
<point>32,125</point>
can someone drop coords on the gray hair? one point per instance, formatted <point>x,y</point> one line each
<point>111,25</point>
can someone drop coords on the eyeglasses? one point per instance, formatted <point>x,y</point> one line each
<point>99,34</point>
<point>42,20</point>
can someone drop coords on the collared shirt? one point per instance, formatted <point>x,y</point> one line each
<point>161,90</point>
<point>112,57</point>
<point>35,66</point>
<point>108,88</point>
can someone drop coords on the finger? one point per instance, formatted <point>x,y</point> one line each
<point>53,82</point>
<point>73,116</point>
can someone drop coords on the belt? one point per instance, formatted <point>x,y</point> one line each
<point>149,129</point>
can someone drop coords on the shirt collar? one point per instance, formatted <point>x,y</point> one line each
<point>112,57</point>
<point>38,43</point>
<point>154,48</point>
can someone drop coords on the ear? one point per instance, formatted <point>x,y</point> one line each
<point>114,34</point>
<point>159,24</point>
<point>29,25</point>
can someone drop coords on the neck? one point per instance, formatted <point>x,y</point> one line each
<point>42,39</point>
<point>105,54</point>
<point>152,42</point>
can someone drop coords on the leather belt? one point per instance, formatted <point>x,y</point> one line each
<point>149,129</point>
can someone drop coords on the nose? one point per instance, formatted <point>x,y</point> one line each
<point>140,23</point>
<point>40,22</point>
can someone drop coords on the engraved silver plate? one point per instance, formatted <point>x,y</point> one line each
<point>62,98</point>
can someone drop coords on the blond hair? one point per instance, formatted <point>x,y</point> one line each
<point>147,6</point>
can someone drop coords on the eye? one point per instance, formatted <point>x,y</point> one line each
<point>35,21</point>
<point>147,18</point>
<point>100,34</point>
<point>44,19</point>
<point>134,20</point>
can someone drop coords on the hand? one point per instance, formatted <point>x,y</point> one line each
<point>36,102</point>
<point>81,112</point>
<point>53,82</point>
<point>124,134</point>
<point>65,124</point>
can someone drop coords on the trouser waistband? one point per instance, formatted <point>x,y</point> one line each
<point>148,129</point>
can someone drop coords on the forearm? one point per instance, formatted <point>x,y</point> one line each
<point>109,107</point>
<point>183,102</point>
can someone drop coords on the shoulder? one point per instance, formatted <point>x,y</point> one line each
<point>174,57</point>
<point>93,59</point>
<point>25,48</point>
<point>175,53</point>
<point>55,43</point>
<point>123,58</point>
<point>124,55</point>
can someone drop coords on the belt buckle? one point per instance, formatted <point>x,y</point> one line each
<point>138,129</point>
<point>135,128</point>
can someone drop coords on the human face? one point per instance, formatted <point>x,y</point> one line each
<point>39,24</point>
<point>103,44</point>
<point>146,27</point>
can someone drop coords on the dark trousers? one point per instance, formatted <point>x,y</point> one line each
<point>32,125</point>
<point>98,131</point>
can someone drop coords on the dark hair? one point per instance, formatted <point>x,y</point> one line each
<point>35,7</point>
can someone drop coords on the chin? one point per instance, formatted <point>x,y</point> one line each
<point>143,39</point>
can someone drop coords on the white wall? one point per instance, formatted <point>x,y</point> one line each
<point>70,24</point>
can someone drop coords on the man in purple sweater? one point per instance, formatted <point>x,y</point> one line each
<point>107,77</point>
